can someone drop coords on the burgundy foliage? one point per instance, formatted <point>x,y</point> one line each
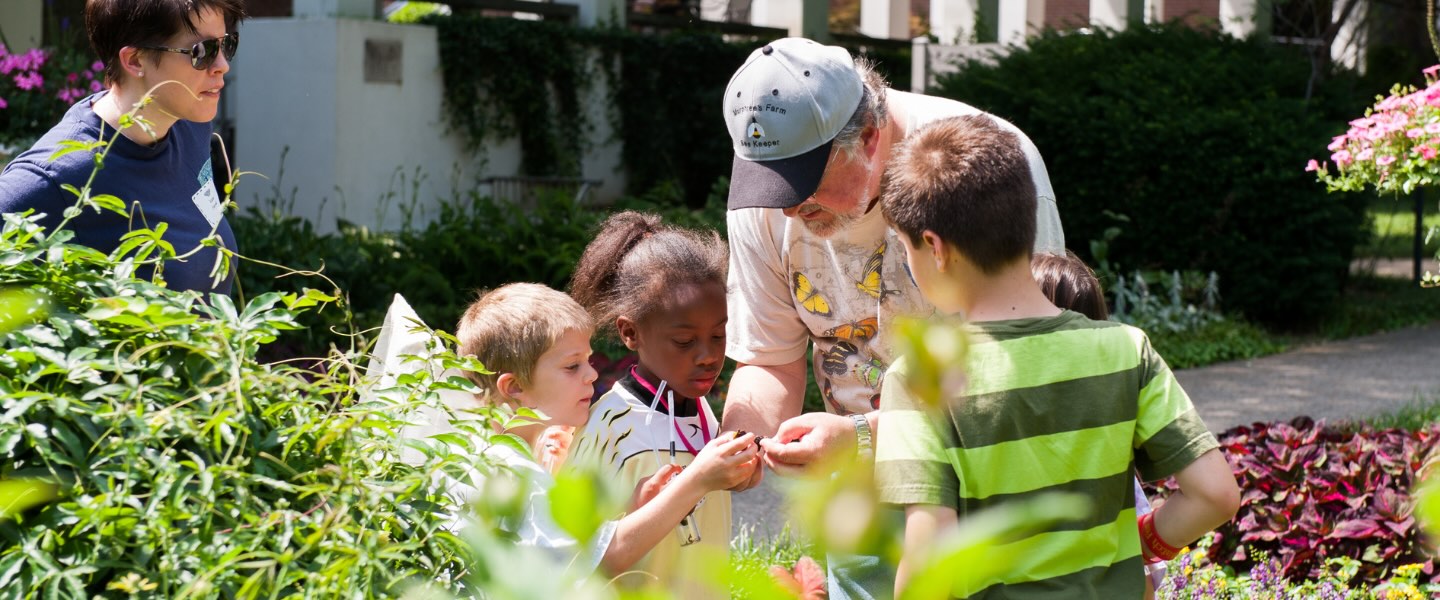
<point>1312,492</point>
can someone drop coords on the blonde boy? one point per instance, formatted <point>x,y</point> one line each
<point>1054,401</point>
<point>536,343</point>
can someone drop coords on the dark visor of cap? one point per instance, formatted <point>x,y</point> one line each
<point>780,183</point>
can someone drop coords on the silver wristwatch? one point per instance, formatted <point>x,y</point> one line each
<point>864,441</point>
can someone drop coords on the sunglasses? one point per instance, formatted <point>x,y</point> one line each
<point>203,53</point>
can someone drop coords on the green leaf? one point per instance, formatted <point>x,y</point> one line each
<point>110,203</point>
<point>17,495</point>
<point>68,146</point>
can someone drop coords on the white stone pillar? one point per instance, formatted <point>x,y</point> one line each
<point>1237,17</point>
<point>1154,11</point>
<point>23,23</point>
<point>1350,42</point>
<point>1035,16</point>
<point>1109,13</point>
<point>1014,22</point>
<point>778,13</point>
<point>953,21</point>
<point>888,19</point>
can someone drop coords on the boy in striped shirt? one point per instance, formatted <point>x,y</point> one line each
<point>1053,401</point>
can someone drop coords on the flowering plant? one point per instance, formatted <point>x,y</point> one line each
<point>39,85</point>
<point>1394,147</point>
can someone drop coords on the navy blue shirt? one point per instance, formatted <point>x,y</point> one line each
<point>171,182</point>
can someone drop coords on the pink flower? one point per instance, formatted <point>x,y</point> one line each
<point>1432,128</point>
<point>1341,158</point>
<point>1431,71</point>
<point>1384,160</point>
<point>1337,143</point>
<point>3,103</point>
<point>1427,152</point>
<point>1365,154</point>
<point>34,59</point>
<point>72,77</point>
<point>1312,166</point>
<point>806,582</point>
<point>29,81</point>
<point>70,94</point>
<point>97,67</point>
<point>95,86</point>
<point>1415,133</point>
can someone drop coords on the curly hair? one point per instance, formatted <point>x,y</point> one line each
<point>635,258</point>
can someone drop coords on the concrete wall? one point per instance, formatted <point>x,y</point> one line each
<point>23,23</point>
<point>355,147</point>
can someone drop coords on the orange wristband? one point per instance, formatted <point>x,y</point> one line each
<point>1151,538</point>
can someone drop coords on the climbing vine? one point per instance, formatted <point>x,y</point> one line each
<point>510,78</point>
<point>527,79</point>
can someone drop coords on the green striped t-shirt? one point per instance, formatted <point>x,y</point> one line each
<point>1051,404</point>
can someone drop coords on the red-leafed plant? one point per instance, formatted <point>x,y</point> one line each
<point>1312,492</point>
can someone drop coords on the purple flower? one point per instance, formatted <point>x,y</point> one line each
<point>33,59</point>
<point>4,104</point>
<point>95,86</point>
<point>29,81</point>
<point>97,67</point>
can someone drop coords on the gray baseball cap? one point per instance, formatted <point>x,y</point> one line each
<point>783,109</point>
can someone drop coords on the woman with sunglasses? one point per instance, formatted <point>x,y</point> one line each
<point>177,52</point>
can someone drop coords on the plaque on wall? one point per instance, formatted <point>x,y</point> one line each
<point>383,61</point>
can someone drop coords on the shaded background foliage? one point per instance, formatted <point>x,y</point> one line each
<point>1200,139</point>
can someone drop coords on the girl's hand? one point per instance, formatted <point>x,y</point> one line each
<point>725,462</point>
<point>650,486</point>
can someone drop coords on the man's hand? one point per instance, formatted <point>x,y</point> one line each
<point>808,439</point>
<point>760,398</point>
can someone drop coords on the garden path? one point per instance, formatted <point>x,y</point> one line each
<point>1350,378</point>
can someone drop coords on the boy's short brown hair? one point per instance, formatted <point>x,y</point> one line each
<point>115,24</point>
<point>966,179</point>
<point>508,328</point>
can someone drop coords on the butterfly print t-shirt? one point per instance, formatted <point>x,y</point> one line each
<point>789,289</point>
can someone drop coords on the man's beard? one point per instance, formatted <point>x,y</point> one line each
<point>837,222</point>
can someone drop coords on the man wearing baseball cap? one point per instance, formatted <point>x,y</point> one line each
<point>811,258</point>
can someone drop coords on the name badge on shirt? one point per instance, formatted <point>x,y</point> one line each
<point>208,201</point>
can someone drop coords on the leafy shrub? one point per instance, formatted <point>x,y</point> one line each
<point>187,468</point>
<point>1200,139</point>
<point>476,243</point>
<point>1214,342</point>
<point>1312,493</point>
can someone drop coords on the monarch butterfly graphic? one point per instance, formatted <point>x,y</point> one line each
<point>834,360</point>
<point>871,373</point>
<point>859,331</point>
<point>809,296</point>
<point>871,282</point>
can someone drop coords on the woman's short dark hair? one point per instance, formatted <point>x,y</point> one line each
<point>115,24</point>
